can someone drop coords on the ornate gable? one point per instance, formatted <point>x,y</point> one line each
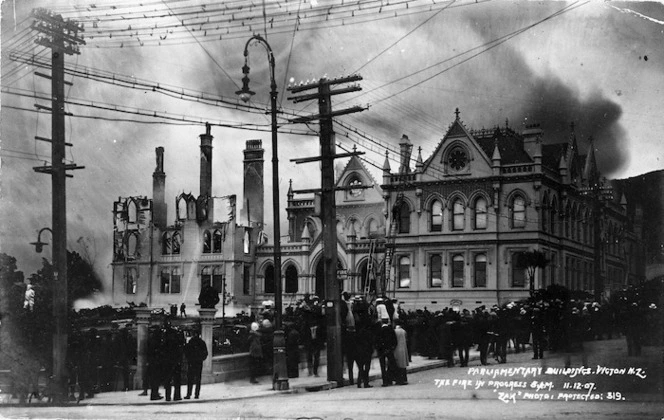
<point>457,155</point>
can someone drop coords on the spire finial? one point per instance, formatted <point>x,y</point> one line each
<point>571,126</point>
<point>507,122</point>
<point>457,113</point>
<point>355,148</point>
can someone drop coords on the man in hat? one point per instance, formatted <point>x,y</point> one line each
<point>196,352</point>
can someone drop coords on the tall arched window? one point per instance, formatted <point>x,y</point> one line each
<point>206,277</point>
<point>166,243</point>
<point>373,227</point>
<point>132,245</point>
<point>218,278</point>
<point>182,209</point>
<point>457,271</point>
<point>436,270</point>
<point>480,213</point>
<point>131,281</point>
<point>458,215</point>
<point>554,215</point>
<point>175,243</point>
<point>404,272</point>
<point>269,279</point>
<point>519,212</point>
<point>480,270</point>
<point>217,239</point>
<point>207,242</point>
<point>545,215</point>
<point>404,218</point>
<point>132,212</point>
<point>291,280</point>
<point>436,216</point>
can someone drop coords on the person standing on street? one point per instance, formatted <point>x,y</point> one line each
<point>196,352</point>
<point>385,344</point>
<point>400,355</point>
<point>255,352</point>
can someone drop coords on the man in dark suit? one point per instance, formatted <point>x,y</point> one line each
<point>386,342</point>
<point>196,352</point>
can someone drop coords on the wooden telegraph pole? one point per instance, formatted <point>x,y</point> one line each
<point>62,38</point>
<point>328,207</point>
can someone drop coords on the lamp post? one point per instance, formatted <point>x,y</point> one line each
<point>39,245</point>
<point>280,378</point>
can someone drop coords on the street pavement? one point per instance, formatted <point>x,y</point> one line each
<point>424,397</point>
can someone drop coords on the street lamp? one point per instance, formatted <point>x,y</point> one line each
<point>280,380</point>
<point>39,245</point>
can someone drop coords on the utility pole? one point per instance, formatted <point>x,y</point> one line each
<point>62,38</point>
<point>328,207</point>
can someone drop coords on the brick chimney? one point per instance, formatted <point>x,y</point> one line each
<point>159,216</point>
<point>206,163</point>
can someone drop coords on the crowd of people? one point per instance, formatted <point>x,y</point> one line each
<point>102,360</point>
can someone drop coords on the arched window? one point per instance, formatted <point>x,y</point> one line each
<point>480,213</point>
<point>435,270</point>
<point>404,217</point>
<point>480,270</point>
<point>404,272</point>
<point>175,243</point>
<point>373,227</point>
<point>132,212</point>
<point>554,215</point>
<point>218,279</point>
<point>519,212</point>
<point>246,242</point>
<point>131,281</point>
<point>457,271</point>
<point>436,216</point>
<point>291,279</point>
<point>166,243</point>
<point>132,245</point>
<point>269,279</point>
<point>217,238</point>
<point>458,215</point>
<point>191,210</point>
<point>207,242</point>
<point>182,208</point>
<point>206,277</point>
<point>545,215</point>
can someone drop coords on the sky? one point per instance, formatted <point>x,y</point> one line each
<point>598,65</point>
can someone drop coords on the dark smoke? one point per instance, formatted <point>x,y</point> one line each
<point>555,104</point>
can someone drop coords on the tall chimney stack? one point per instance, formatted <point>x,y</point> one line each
<point>206,163</point>
<point>406,149</point>
<point>252,210</point>
<point>159,191</point>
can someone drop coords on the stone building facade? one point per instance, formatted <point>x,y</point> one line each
<point>445,231</point>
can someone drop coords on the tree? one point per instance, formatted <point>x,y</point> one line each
<point>531,261</point>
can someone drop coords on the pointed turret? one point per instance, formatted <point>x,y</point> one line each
<point>290,190</point>
<point>563,170</point>
<point>386,169</point>
<point>495,159</point>
<point>420,163</point>
<point>306,236</point>
<point>590,172</point>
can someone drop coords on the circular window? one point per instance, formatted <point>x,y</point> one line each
<point>457,159</point>
<point>355,192</point>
